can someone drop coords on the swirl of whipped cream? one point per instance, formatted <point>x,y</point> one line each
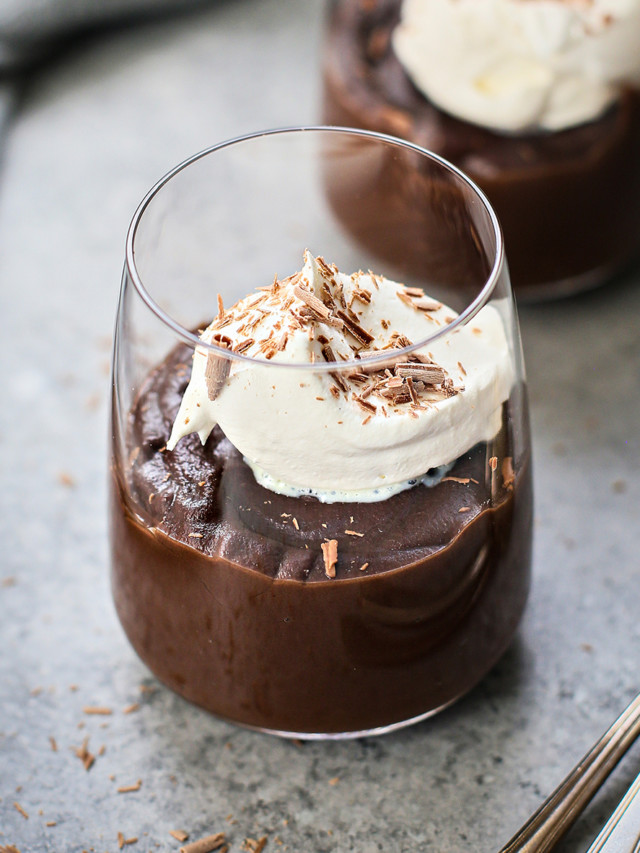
<point>520,65</point>
<point>362,434</point>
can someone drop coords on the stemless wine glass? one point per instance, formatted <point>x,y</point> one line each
<point>349,550</point>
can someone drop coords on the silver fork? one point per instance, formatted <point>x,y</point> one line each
<point>559,811</point>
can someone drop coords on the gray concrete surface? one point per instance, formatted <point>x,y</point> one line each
<point>94,133</point>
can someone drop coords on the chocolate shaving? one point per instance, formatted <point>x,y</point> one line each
<point>82,752</point>
<point>327,353</point>
<point>508,474</point>
<point>426,304</point>
<point>398,340</point>
<point>430,374</point>
<point>244,345</point>
<point>315,305</point>
<point>334,322</point>
<point>205,845</point>
<point>330,556</point>
<point>368,407</point>
<point>420,358</point>
<point>19,808</point>
<point>329,356</point>
<point>296,320</point>
<point>367,392</point>
<point>217,369</point>
<point>363,295</point>
<point>338,379</point>
<point>179,834</point>
<point>255,845</point>
<point>393,391</point>
<point>373,368</point>
<point>354,328</point>
<point>448,388</point>
<point>412,390</point>
<point>326,269</point>
<point>397,395</point>
<point>404,297</point>
<point>130,789</point>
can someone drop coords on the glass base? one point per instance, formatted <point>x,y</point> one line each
<point>379,730</point>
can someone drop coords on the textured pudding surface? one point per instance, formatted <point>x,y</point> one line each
<point>220,583</point>
<point>568,201</point>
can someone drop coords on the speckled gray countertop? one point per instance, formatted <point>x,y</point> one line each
<point>94,132</point>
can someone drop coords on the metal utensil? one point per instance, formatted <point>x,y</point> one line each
<point>621,833</point>
<point>554,817</point>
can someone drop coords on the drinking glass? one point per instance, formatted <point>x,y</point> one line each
<point>344,554</point>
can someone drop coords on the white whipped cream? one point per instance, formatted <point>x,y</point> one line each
<point>303,434</point>
<point>514,65</point>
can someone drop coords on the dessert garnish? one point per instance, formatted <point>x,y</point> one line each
<point>97,710</point>
<point>330,556</point>
<point>82,752</point>
<point>19,809</point>
<point>205,845</point>
<point>130,789</point>
<point>387,414</point>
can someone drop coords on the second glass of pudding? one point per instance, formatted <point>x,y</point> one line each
<point>321,503</point>
<point>538,102</point>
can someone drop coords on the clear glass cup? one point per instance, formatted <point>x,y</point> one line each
<point>228,590</point>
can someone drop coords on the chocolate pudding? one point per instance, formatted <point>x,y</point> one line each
<point>222,588</point>
<point>568,200</point>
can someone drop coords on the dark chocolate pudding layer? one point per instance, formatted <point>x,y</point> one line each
<point>220,584</point>
<point>568,201</point>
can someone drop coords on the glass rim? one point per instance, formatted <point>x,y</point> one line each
<point>193,340</point>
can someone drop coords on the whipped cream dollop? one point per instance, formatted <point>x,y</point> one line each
<point>361,433</point>
<point>518,65</point>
